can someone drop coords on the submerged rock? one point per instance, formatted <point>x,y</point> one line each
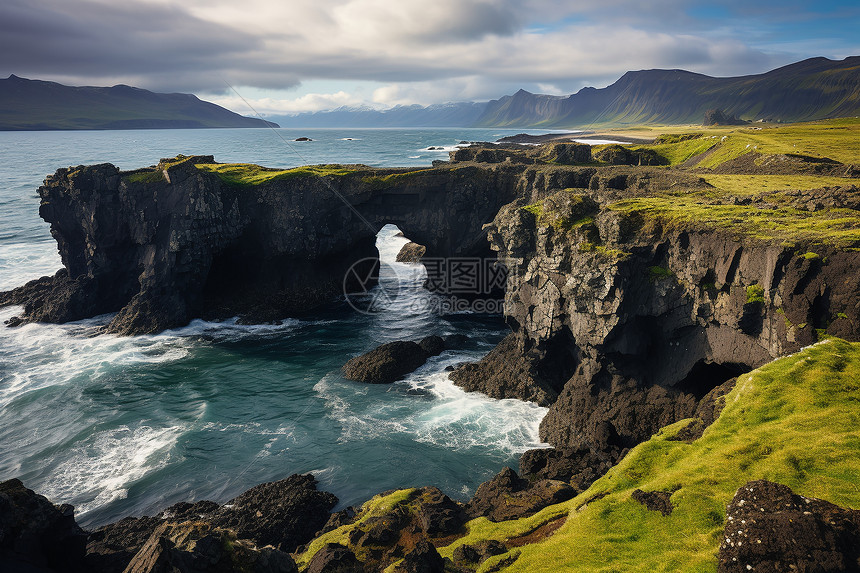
<point>386,364</point>
<point>770,528</point>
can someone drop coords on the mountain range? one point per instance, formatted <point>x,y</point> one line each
<point>812,89</point>
<point>816,88</point>
<point>39,105</point>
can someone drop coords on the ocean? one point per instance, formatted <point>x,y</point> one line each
<point>121,426</point>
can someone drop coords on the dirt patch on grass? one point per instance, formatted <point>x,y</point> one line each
<point>538,534</point>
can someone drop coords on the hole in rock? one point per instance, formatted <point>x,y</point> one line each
<point>560,359</point>
<point>705,376</point>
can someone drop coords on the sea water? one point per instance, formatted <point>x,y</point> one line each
<point>129,425</point>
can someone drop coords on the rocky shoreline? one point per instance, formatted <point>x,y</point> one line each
<point>627,316</point>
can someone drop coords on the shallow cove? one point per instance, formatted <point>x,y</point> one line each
<point>128,426</point>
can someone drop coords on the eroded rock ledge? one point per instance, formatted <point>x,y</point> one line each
<point>635,317</point>
<point>192,238</point>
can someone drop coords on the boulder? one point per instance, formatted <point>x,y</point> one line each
<point>284,513</point>
<point>508,496</point>
<point>578,467</point>
<point>505,373</point>
<point>432,345</point>
<point>385,364</point>
<point>198,547</point>
<point>36,534</point>
<point>422,559</point>
<point>769,528</point>
<point>472,555</point>
<point>334,558</point>
<point>411,253</point>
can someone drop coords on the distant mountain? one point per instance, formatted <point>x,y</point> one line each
<point>439,115</point>
<point>812,89</point>
<point>39,105</point>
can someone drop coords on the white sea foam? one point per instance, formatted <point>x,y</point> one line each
<point>462,420</point>
<point>103,467</point>
<point>23,262</point>
<point>35,356</point>
<point>452,418</point>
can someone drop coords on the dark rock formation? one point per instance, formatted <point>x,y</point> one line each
<point>36,535</point>
<point>422,559</point>
<point>556,153</point>
<point>386,364</point>
<point>191,547</point>
<point>505,373</point>
<point>720,117</point>
<point>654,500</point>
<point>433,345</point>
<point>406,526</point>
<point>338,519</point>
<point>166,244</point>
<point>508,496</point>
<point>411,253</point>
<point>284,514</point>
<point>334,558</point>
<point>769,528</point>
<point>473,555</point>
<point>642,326</point>
<point>618,155</point>
<point>580,468</point>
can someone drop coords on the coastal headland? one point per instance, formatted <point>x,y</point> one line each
<point>688,309</point>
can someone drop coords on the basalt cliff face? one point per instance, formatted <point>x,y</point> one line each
<point>163,245</point>
<point>633,322</point>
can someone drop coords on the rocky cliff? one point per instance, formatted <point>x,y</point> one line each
<point>632,304</point>
<point>192,238</point>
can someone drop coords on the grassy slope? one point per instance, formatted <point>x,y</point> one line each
<point>792,421</point>
<point>250,174</point>
<point>779,220</point>
<point>837,139</point>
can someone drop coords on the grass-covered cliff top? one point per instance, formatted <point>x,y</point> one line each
<point>780,217</point>
<point>792,421</point>
<point>251,174</point>
<point>836,139</point>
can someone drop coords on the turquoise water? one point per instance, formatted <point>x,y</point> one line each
<point>126,426</point>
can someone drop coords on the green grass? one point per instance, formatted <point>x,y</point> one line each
<point>755,294</point>
<point>680,151</point>
<point>145,177</point>
<point>834,227</point>
<point>565,210</point>
<point>836,139</point>
<point>375,507</point>
<point>754,184</point>
<point>792,421</point>
<point>659,273</point>
<point>250,174</point>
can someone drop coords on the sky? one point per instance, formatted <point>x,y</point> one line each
<point>291,56</point>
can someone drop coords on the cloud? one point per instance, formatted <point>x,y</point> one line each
<point>412,51</point>
<point>275,106</point>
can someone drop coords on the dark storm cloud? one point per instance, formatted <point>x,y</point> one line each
<point>115,40</point>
